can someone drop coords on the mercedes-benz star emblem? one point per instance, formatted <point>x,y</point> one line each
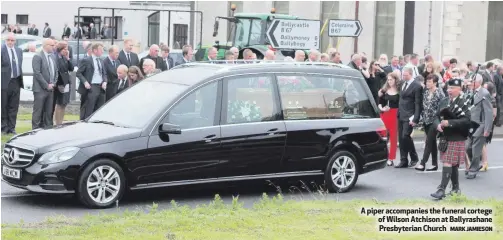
<point>13,155</point>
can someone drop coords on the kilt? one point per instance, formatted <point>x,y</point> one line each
<point>455,154</point>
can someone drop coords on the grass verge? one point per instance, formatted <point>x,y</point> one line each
<point>24,124</point>
<point>269,218</point>
<point>27,117</point>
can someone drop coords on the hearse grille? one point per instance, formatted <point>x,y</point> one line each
<point>17,157</point>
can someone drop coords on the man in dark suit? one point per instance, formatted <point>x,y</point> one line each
<point>93,82</point>
<point>166,58</point>
<point>12,82</point>
<point>111,63</point>
<point>123,81</point>
<point>488,74</point>
<point>45,76</point>
<point>66,31</point>
<point>47,31</point>
<point>31,30</point>
<point>127,57</point>
<point>187,55</point>
<point>409,110</point>
<point>154,55</point>
<point>78,32</point>
<point>93,32</point>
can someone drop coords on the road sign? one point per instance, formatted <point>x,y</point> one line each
<point>344,28</point>
<point>294,34</point>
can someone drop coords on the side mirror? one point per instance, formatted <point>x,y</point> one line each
<point>215,28</point>
<point>168,128</point>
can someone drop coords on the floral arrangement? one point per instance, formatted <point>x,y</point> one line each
<point>294,84</point>
<point>243,111</point>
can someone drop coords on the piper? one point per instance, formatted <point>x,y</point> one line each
<point>453,123</point>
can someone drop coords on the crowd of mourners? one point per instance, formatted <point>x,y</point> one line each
<point>390,84</point>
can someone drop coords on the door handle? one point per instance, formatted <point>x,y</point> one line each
<point>209,138</point>
<point>272,131</point>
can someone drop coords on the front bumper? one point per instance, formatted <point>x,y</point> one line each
<point>59,178</point>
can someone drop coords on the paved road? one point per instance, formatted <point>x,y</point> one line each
<point>388,184</point>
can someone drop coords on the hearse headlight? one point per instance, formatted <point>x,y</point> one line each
<point>59,155</point>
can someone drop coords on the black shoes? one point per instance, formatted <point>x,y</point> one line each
<point>402,164</point>
<point>439,194</point>
<point>446,176</point>
<point>432,169</point>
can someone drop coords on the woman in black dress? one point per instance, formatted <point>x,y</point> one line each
<point>62,93</point>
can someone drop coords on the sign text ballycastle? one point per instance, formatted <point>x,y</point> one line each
<point>294,34</point>
<point>293,41</point>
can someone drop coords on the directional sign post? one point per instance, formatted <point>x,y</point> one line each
<point>294,34</point>
<point>344,28</point>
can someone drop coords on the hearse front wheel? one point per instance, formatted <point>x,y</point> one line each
<point>342,172</point>
<point>101,184</point>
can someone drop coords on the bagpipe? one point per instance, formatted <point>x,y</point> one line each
<point>458,109</point>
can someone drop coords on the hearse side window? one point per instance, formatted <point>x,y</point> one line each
<point>249,99</point>
<point>197,109</point>
<point>308,97</point>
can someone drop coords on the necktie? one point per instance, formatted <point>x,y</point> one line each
<point>14,64</point>
<point>167,63</point>
<point>128,58</point>
<point>99,66</point>
<point>51,68</point>
<point>121,85</point>
<point>405,86</point>
<point>113,63</point>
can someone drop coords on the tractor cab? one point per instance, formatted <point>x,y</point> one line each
<point>248,31</point>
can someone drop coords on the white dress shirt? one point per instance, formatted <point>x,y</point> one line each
<point>97,78</point>
<point>408,83</point>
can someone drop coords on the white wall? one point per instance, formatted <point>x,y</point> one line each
<point>473,28</point>
<point>421,26</point>
<point>212,9</point>
<point>346,45</point>
<point>399,31</point>
<point>298,8</point>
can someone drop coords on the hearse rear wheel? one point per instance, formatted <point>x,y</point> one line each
<point>341,174</point>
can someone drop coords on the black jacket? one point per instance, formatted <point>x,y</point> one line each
<point>159,63</point>
<point>411,102</point>
<point>458,129</point>
<point>134,59</point>
<point>86,72</point>
<point>64,67</point>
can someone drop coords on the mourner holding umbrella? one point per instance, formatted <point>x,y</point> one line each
<point>453,123</point>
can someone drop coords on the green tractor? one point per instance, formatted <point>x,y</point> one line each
<point>248,31</point>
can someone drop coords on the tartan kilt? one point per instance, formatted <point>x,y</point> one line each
<point>455,154</point>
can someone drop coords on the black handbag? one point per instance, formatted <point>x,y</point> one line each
<point>442,144</point>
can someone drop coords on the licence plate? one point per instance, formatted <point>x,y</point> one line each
<point>12,173</point>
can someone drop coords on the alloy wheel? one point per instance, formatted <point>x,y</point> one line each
<point>103,184</point>
<point>343,172</point>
